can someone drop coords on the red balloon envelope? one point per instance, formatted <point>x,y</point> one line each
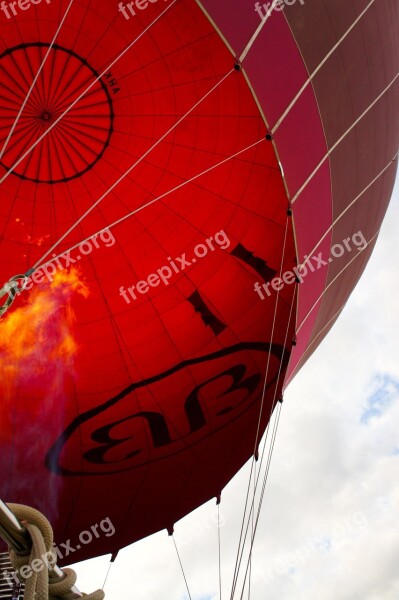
<point>188,190</point>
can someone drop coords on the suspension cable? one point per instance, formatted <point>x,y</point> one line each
<point>252,509</point>
<point>181,566</point>
<point>241,542</point>
<point>219,553</point>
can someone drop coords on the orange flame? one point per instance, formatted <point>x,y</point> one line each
<point>37,346</point>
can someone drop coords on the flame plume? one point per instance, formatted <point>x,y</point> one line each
<point>37,345</point>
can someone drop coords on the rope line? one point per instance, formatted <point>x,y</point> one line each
<point>235,575</point>
<point>252,509</point>
<point>319,66</point>
<point>107,575</point>
<point>39,264</point>
<point>268,463</point>
<point>181,566</point>
<point>334,280</point>
<point>37,585</point>
<point>252,533</point>
<point>135,164</point>
<point>270,456</point>
<point>257,32</point>
<point>343,136</point>
<point>219,554</point>
<point>348,207</point>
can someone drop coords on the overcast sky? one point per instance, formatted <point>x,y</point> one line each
<point>329,525</point>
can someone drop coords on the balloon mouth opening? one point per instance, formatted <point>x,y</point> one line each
<point>46,116</point>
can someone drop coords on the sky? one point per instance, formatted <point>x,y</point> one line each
<point>328,528</point>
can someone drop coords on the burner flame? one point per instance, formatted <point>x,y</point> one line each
<point>37,345</point>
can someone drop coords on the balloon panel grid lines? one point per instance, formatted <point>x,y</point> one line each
<point>139,347</point>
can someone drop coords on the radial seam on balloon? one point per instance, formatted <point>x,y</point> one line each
<point>35,79</point>
<point>335,278</point>
<point>238,560</point>
<point>18,162</point>
<point>311,254</point>
<point>343,136</point>
<point>140,208</point>
<point>252,510</point>
<point>311,77</point>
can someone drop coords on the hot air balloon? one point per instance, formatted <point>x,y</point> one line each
<point>190,190</point>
